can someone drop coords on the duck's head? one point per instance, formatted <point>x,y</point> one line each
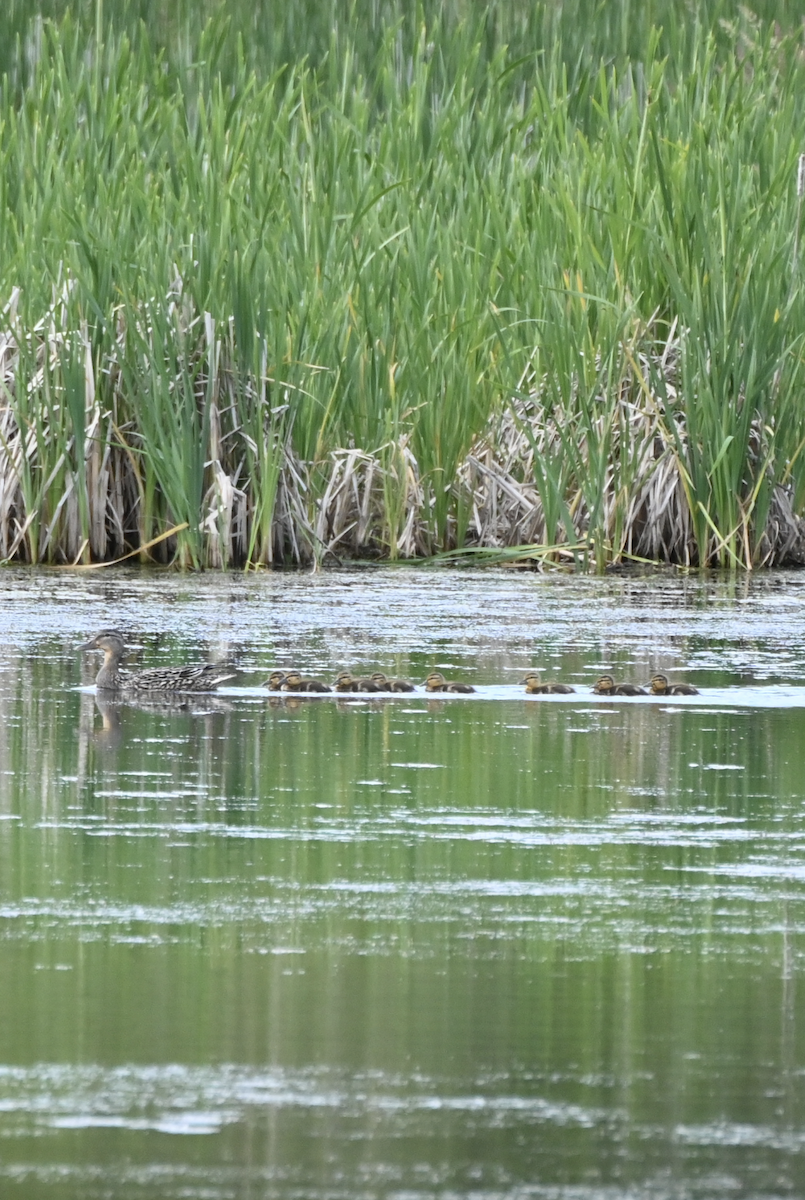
<point>605,684</point>
<point>109,640</point>
<point>275,680</point>
<point>292,680</point>
<point>435,679</point>
<point>342,679</point>
<point>531,677</point>
<point>658,685</point>
<point>379,678</point>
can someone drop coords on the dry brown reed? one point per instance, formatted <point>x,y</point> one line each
<point>88,499</point>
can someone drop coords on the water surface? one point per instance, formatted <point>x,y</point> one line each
<point>483,947</point>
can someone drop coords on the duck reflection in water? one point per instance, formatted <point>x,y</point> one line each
<point>112,709</point>
<point>290,703</point>
<point>110,735</point>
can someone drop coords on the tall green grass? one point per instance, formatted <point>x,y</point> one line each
<point>232,258</point>
<point>266,36</point>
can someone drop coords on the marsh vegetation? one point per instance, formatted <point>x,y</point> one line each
<point>384,280</point>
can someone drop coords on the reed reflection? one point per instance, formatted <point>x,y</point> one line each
<point>545,908</point>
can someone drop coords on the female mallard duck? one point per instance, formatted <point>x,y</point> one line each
<point>344,682</point>
<point>606,686</point>
<point>159,679</point>
<point>436,682</point>
<point>390,685</point>
<point>295,681</point>
<point>535,687</point>
<point>659,686</point>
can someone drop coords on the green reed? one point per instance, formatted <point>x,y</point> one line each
<point>231,260</point>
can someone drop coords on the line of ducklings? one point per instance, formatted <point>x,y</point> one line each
<point>658,685</point>
<point>378,683</point>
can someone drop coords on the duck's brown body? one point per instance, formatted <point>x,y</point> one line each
<point>295,681</point>
<point>606,686</point>
<point>344,682</point>
<point>163,680</point>
<point>659,686</point>
<point>436,682</point>
<point>383,684</point>
<point>535,687</point>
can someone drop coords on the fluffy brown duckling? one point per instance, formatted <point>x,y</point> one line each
<point>295,681</point>
<point>659,686</point>
<point>205,678</point>
<point>344,682</point>
<point>606,686</point>
<point>275,681</point>
<point>535,687</point>
<point>436,682</point>
<point>384,684</point>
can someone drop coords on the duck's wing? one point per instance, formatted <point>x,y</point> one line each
<point>181,679</point>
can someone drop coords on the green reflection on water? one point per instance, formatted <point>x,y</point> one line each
<point>412,946</point>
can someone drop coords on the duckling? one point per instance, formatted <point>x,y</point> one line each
<point>606,686</point>
<point>390,685</point>
<point>365,685</point>
<point>344,682</point>
<point>534,686</point>
<point>159,679</point>
<point>294,681</point>
<point>436,682</point>
<point>275,681</point>
<point>659,686</point>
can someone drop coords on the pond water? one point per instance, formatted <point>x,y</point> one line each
<point>486,947</point>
